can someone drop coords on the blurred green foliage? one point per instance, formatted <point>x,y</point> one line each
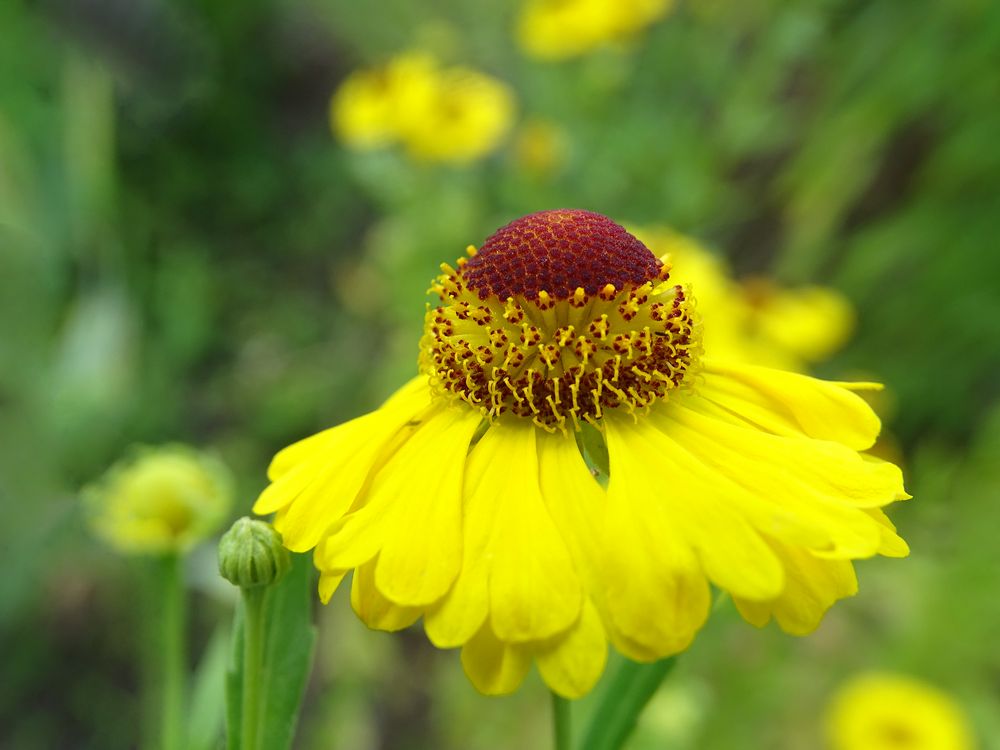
<point>186,254</point>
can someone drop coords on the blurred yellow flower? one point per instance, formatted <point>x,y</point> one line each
<point>442,114</point>
<point>756,320</point>
<point>556,29</point>
<point>467,499</point>
<point>895,712</point>
<point>163,499</point>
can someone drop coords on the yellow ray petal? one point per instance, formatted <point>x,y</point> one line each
<point>408,400</point>
<point>812,586</point>
<point>328,585</point>
<point>422,553</point>
<point>656,594</point>
<point>572,663</point>
<point>796,489</point>
<point>535,591</point>
<point>373,609</point>
<point>693,499</point>
<point>345,461</point>
<point>411,513</point>
<point>494,667</point>
<point>823,410</point>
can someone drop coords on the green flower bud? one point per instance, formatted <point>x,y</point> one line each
<point>251,554</point>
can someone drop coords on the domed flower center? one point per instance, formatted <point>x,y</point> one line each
<point>558,317</point>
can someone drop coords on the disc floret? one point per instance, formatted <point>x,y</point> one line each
<point>531,324</point>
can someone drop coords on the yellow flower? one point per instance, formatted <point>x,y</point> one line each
<point>161,500</point>
<point>893,712</point>
<point>467,499</point>
<point>756,320</point>
<point>438,114</point>
<point>556,29</point>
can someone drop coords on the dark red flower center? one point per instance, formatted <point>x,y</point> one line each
<point>557,252</point>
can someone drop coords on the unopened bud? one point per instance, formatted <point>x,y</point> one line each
<point>251,554</point>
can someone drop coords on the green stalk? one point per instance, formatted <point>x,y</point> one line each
<point>253,657</point>
<point>173,654</point>
<point>632,688</point>
<point>561,722</point>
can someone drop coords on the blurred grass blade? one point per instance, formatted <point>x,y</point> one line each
<point>208,703</point>
<point>618,712</point>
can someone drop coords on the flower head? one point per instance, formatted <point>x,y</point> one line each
<point>442,114</point>
<point>894,712</point>
<point>160,500</point>
<point>467,498</point>
<point>556,29</point>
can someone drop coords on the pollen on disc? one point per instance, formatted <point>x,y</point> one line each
<point>556,252</point>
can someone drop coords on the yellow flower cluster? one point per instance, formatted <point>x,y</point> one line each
<point>755,320</point>
<point>893,712</point>
<point>558,29</point>
<point>445,114</point>
<point>162,500</point>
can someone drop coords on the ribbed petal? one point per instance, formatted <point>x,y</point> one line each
<point>812,586</point>
<point>572,664</point>
<point>373,609</point>
<point>494,667</point>
<point>411,514</point>
<point>786,402</point>
<point>656,593</point>
<point>698,501</point>
<point>341,461</point>
<point>534,590</point>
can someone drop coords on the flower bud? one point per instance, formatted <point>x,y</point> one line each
<point>251,554</point>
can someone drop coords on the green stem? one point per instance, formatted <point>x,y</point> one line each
<point>561,722</point>
<point>253,657</point>
<point>615,718</point>
<point>172,653</point>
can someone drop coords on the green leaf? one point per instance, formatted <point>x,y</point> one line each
<point>290,640</point>
<point>208,695</point>
<point>622,703</point>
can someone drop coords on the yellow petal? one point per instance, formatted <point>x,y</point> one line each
<point>576,502</point>
<point>699,502</point>
<point>535,591</point>
<point>411,513</point>
<point>656,594</point>
<point>833,470</point>
<point>422,552</point>
<point>812,586</point>
<point>494,667</point>
<point>572,664</point>
<point>346,458</point>
<point>373,609</point>
<point>408,400</point>
<point>328,585</point>
<point>820,409</point>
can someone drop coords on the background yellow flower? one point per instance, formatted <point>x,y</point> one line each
<point>895,712</point>
<point>163,499</point>
<point>443,114</point>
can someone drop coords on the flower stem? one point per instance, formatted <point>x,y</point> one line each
<point>253,657</point>
<point>561,722</point>
<point>616,716</point>
<point>172,652</point>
